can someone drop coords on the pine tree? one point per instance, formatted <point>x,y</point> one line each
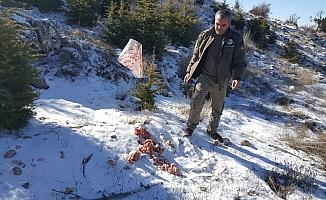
<point>43,5</point>
<point>290,52</point>
<point>237,6</point>
<point>148,27</point>
<point>146,88</point>
<point>16,76</point>
<point>179,22</point>
<point>82,12</point>
<point>46,5</point>
<point>119,26</point>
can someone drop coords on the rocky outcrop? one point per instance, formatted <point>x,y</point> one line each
<point>41,34</point>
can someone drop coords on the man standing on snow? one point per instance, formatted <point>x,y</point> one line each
<point>218,55</point>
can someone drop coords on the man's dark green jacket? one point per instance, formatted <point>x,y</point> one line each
<point>231,60</point>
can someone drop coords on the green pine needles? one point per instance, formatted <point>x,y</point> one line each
<point>16,77</point>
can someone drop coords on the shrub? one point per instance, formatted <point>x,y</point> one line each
<point>46,5</point>
<point>145,89</point>
<point>293,19</point>
<point>320,21</point>
<point>262,10</point>
<point>247,40</point>
<point>259,30</point>
<point>82,12</point>
<point>301,140</point>
<point>290,52</point>
<point>221,6</point>
<point>237,5</point>
<point>146,23</point>
<point>238,21</point>
<point>43,5</point>
<point>284,182</point>
<point>16,77</point>
<point>179,22</point>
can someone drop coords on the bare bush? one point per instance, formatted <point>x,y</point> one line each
<point>284,182</point>
<point>248,42</point>
<point>293,19</point>
<point>262,10</point>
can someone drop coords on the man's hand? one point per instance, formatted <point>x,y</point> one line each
<point>186,78</point>
<point>235,84</point>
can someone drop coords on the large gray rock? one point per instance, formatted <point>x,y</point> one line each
<point>42,34</point>
<point>47,35</point>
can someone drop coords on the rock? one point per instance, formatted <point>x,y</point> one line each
<point>62,156</point>
<point>42,34</point>
<point>25,185</point>
<point>10,154</point>
<point>17,171</point>
<point>113,136</point>
<point>69,55</point>
<point>69,190</point>
<point>112,162</point>
<point>48,36</point>
<point>245,143</point>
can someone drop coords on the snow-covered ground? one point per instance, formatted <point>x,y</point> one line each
<point>78,144</point>
<point>81,118</point>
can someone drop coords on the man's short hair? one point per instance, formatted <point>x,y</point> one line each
<point>224,14</point>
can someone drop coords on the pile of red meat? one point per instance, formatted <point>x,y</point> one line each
<point>154,150</point>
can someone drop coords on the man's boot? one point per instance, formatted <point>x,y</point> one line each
<point>187,132</point>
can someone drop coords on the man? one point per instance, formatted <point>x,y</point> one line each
<point>218,55</point>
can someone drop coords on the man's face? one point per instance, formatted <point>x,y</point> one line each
<point>221,25</point>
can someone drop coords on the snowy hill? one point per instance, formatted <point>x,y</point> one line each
<point>77,145</point>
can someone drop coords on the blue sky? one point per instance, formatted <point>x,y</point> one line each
<point>282,9</point>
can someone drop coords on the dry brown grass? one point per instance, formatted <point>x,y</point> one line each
<point>184,110</point>
<point>284,182</point>
<point>248,42</point>
<point>314,147</point>
<point>306,77</point>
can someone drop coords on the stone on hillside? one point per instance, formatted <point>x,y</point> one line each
<point>246,143</point>
<point>10,154</point>
<point>25,185</point>
<point>17,171</point>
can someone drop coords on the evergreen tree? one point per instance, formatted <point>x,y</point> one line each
<point>82,12</point>
<point>43,5</point>
<point>237,6</point>
<point>187,24</point>
<point>46,5</point>
<point>119,25</point>
<point>290,52</point>
<point>259,30</point>
<point>148,26</point>
<point>16,76</point>
<point>146,88</point>
<point>238,21</point>
<point>262,10</point>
